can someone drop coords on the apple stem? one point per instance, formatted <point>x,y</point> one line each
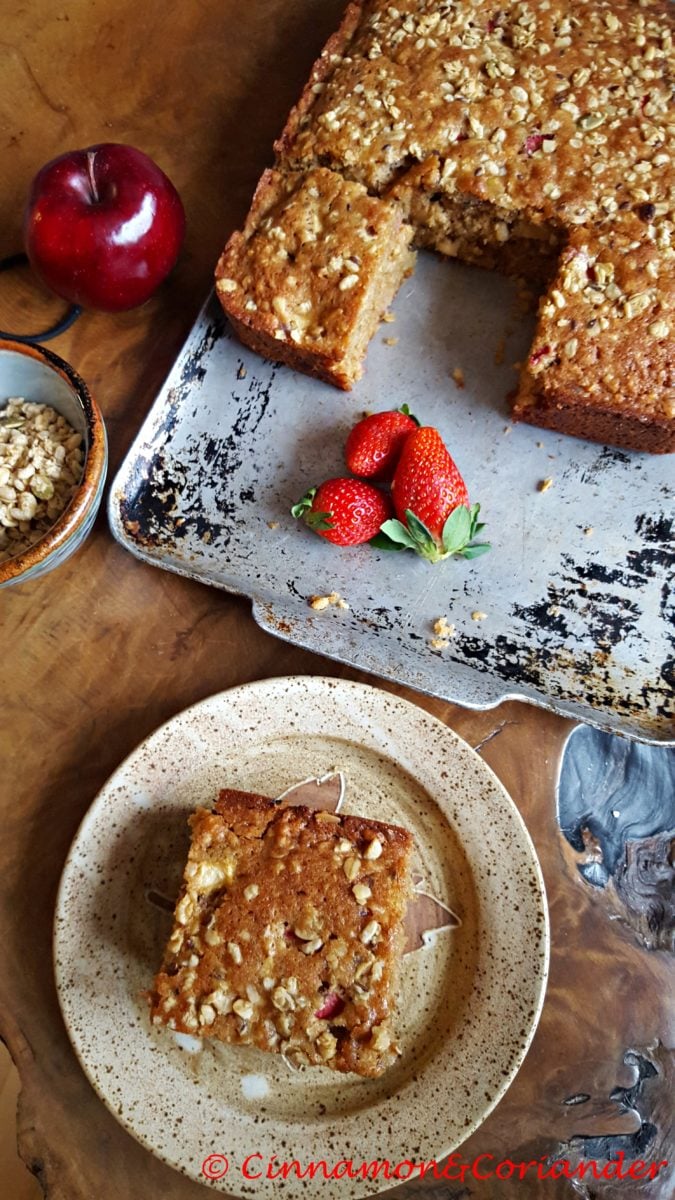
<point>91,155</point>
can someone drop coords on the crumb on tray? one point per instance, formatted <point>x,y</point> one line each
<point>443,631</point>
<point>443,628</point>
<point>321,603</point>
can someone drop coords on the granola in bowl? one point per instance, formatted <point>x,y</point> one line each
<point>41,462</point>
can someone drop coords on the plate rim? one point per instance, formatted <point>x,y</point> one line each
<point>542,963</point>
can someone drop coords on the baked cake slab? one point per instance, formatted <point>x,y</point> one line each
<point>532,138</point>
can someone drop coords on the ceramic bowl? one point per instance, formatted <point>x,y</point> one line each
<point>41,376</point>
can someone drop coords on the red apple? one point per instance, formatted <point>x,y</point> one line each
<point>103,226</point>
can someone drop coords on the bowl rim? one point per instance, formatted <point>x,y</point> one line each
<point>94,468</point>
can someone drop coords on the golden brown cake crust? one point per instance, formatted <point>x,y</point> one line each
<point>592,424</point>
<point>288,932</point>
<point>555,115</point>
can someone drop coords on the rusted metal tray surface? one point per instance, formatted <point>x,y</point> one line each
<point>577,592</point>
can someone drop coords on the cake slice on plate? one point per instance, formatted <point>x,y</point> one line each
<point>288,933</point>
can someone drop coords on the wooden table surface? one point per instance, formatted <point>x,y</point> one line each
<point>96,655</point>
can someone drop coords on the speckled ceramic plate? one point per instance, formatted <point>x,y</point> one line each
<point>469,999</point>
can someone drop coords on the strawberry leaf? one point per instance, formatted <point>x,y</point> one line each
<point>476,525</point>
<point>475,550</point>
<point>382,542</point>
<point>457,530</point>
<point>397,531</point>
<point>422,536</point>
<point>298,510</point>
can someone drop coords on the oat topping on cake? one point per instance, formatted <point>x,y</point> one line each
<point>535,138</point>
<point>288,932</point>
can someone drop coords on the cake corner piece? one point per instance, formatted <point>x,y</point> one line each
<point>318,262</point>
<point>601,364</point>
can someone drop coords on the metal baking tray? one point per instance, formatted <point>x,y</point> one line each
<point>576,592</point>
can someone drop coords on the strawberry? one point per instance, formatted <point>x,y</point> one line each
<point>374,445</point>
<point>532,143</point>
<point>344,511</point>
<point>431,502</point>
<point>331,1006</point>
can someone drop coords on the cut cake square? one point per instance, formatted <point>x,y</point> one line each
<point>318,262</point>
<point>602,364</point>
<point>288,933</point>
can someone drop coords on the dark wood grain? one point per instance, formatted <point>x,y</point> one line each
<point>95,656</point>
